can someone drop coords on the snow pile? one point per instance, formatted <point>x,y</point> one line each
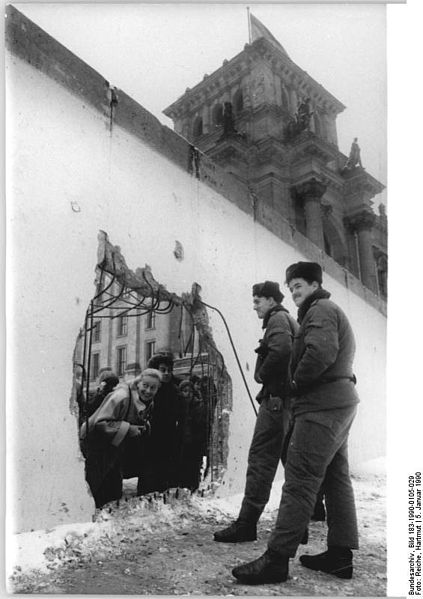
<point>44,550</point>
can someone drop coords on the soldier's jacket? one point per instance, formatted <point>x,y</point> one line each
<point>274,352</point>
<point>322,357</point>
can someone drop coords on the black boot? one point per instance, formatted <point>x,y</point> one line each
<point>237,532</point>
<point>336,560</point>
<point>270,567</point>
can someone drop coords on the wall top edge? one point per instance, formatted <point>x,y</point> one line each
<point>29,42</point>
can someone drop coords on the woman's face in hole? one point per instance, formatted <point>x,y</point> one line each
<point>148,387</point>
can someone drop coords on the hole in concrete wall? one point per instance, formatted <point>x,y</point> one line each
<point>133,445</point>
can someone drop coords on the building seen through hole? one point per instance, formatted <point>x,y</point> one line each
<point>181,438</point>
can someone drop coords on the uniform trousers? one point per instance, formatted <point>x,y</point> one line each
<point>317,457</point>
<point>272,424</point>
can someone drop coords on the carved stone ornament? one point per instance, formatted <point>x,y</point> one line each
<point>310,190</point>
<point>258,90</point>
<point>361,221</point>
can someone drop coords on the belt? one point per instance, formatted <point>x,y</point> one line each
<point>307,388</point>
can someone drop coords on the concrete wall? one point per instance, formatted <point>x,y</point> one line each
<point>69,176</point>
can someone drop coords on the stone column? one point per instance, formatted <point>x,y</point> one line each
<point>330,126</point>
<point>362,224</point>
<point>311,193</point>
<point>293,100</point>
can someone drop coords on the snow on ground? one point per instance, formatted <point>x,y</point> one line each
<point>44,550</point>
<point>29,550</point>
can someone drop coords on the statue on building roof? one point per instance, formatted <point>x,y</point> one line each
<point>300,121</point>
<point>304,114</point>
<point>354,159</point>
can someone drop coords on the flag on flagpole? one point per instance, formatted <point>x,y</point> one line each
<point>258,30</point>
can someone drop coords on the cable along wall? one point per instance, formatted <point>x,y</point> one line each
<point>132,317</point>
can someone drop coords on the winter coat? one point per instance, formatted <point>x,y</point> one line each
<point>165,423</point>
<point>194,427</point>
<point>111,450</point>
<point>274,352</point>
<point>120,410</point>
<point>322,357</point>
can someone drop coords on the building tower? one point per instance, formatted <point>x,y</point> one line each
<point>273,127</point>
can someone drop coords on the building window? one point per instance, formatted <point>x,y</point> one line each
<point>95,365</point>
<point>150,350</point>
<point>97,331</point>
<point>198,127</point>
<point>122,326</point>
<point>382,275</point>
<point>217,114</point>
<point>120,360</point>
<point>238,102</point>
<point>151,320</point>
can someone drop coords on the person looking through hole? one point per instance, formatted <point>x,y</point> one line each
<point>194,436</point>
<point>107,382</point>
<point>163,446</point>
<point>113,440</point>
<point>196,385</point>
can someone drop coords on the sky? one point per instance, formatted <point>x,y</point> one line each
<point>154,52</point>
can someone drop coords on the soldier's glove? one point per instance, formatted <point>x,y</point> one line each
<point>262,350</point>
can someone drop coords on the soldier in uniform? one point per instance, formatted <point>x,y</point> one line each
<point>324,407</point>
<point>273,417</point>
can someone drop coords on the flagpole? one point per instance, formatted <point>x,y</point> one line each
<point>249,25</point>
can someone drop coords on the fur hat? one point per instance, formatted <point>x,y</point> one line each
<point>309,271</point>
<point>268,289</point>
<point>108,377</point>
<point>161,358</point>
